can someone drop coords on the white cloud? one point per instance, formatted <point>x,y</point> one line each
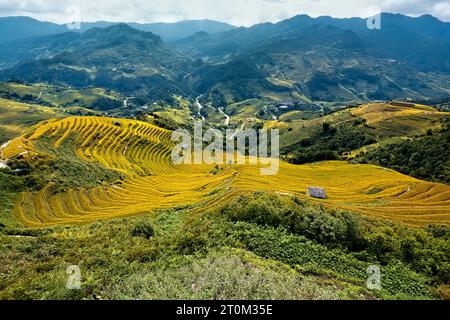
<point>442,10</point>
<point>437,8</point>
<point>238,12</point>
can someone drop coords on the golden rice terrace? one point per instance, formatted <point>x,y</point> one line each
<point>142,152</point>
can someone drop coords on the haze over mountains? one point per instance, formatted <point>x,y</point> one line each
<point>13,28</point>
<point>302,59</point>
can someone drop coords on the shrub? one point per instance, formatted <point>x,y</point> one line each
<point>313,222</point>
<point>424,158</point>
<point>166,123</point>
<point>143,229</point>
<point>189,243</point>
<point>328,144</point>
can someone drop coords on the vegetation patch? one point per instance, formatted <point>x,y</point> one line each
<point>426,158</point>
<point>221,255</point>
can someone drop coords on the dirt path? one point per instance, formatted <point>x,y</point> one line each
<point>200,107</point>
<point>2,161</point>
<point>227,117</point>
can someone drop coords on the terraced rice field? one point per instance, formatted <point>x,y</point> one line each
<point>142,152</point>
<point>16,117</point>
<point>384,121</point>
<point>400,119</point>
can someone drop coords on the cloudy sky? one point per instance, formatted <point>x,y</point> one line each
<point>237,12</point>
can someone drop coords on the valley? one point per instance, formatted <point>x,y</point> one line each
<point>116,173</point>
<point>88,178</point>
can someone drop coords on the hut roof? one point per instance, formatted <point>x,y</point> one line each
<point>317,192</point>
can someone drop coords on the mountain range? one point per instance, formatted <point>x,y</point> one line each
<point>300,59</point>
<point>117,57</point>
<point>14,28</point>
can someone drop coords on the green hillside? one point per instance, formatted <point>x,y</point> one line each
<point>89,180</point>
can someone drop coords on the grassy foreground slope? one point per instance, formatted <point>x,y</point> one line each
<point>259,246</point>
<point>141,152</point>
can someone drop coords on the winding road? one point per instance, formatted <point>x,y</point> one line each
<point>200,107</point>
<point>237,131</point>
<point>3,163</point>
<point>274,117</point>
<point>125,102</point>
<point>227,117</point>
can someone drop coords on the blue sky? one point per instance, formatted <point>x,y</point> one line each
<point>237,12</point>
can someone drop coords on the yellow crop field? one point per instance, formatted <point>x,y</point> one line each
<point>16,117</point>
<point>142,152</point>
<point>414,119</point>
<point>383,121</point>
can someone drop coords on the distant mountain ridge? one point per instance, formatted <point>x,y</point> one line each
<point>117,57</point>
<point>424,41</point>
<point>328,59</point>
<point>15,28</point>
<point>300,59</point>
